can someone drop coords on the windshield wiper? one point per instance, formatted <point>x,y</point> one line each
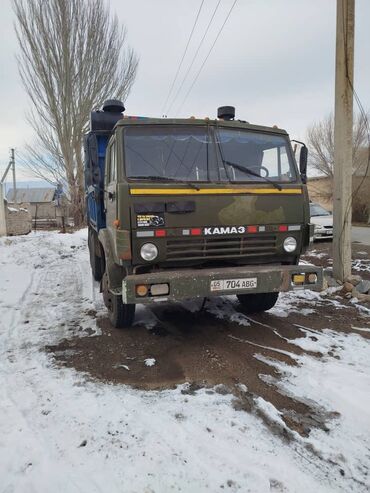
<point>164,178</point>
<point>253,173</point>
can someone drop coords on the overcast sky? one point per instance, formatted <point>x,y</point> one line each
<point>274,61</point>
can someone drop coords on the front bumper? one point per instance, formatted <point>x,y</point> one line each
<point>322,234</point>
<point>196,283</point>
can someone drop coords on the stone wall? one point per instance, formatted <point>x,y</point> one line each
<point>18,219</point>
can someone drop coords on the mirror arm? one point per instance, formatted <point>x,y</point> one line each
<point>298,142</point>
<point>302,160</point>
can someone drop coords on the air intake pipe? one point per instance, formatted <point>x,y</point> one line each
<point>105,119</point>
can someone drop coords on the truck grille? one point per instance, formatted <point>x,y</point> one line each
<point>207,248</point>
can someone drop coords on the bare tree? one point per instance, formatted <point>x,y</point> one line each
<point>320,140</point>
<point>72,56</point>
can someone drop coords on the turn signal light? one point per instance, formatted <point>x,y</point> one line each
<point>141,290</point>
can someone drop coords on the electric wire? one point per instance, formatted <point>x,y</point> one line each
<point>187,72</point>
<point>183,56</point>
<point>206,58</point>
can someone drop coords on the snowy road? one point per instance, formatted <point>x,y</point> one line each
<point>62,431</point>
<point>361,234</point>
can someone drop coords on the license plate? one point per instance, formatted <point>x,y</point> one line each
<point>233,284</point>
<point>329,232</point>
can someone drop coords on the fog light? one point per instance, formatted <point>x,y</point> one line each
<point>141,290</point>
<point>298,279</point>
<point>290,244</point>
<point>159,289</point>
<point>312,278</point>
<point>149,251</point>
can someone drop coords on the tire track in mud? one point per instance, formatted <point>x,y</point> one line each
<point>238,366</point>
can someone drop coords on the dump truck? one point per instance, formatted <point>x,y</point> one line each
<point>194,208</point>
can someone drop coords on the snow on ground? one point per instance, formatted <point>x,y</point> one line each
<point>61,432</point>
<point>341,384</point>
<point>361,265</point>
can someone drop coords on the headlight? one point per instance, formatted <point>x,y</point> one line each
<point>149,252</point>
<point>290,244</point>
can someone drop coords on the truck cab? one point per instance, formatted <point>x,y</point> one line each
<point>192,208</point>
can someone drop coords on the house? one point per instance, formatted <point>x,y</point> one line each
<point>320,190</point>
<point>41,202</point>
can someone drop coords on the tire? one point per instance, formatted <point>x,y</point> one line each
<point>96,261</point>
<point>120,315</point>
<point>257,302</point>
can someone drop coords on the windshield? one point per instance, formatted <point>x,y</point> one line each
<point>168,152</point>
<point>317,210</point>
<point>250,156</point>
<point>192,154</point>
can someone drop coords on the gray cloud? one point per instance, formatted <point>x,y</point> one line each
<point>274,61</point>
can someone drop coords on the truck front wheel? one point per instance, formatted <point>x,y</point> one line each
<point>120,315</point>
<point>257,302</point>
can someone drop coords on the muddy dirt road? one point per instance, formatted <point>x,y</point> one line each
<point>220,346</point>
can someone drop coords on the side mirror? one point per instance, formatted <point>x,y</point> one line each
<point>303,156</point>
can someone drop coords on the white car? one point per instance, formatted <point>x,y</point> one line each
<point>323,221</point>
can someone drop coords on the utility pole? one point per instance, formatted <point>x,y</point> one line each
<point>12,162</point>
<point>343,139</point>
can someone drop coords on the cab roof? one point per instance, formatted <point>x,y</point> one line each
<point>132,121</point>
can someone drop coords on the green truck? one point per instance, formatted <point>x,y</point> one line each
<point>193,208</point>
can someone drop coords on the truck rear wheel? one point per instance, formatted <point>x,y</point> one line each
<point>257,302</point>
<point>120,315</point>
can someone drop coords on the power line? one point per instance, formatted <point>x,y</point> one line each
<point>194,57</point>
<point>205,60</point>
<point>183,56</point>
